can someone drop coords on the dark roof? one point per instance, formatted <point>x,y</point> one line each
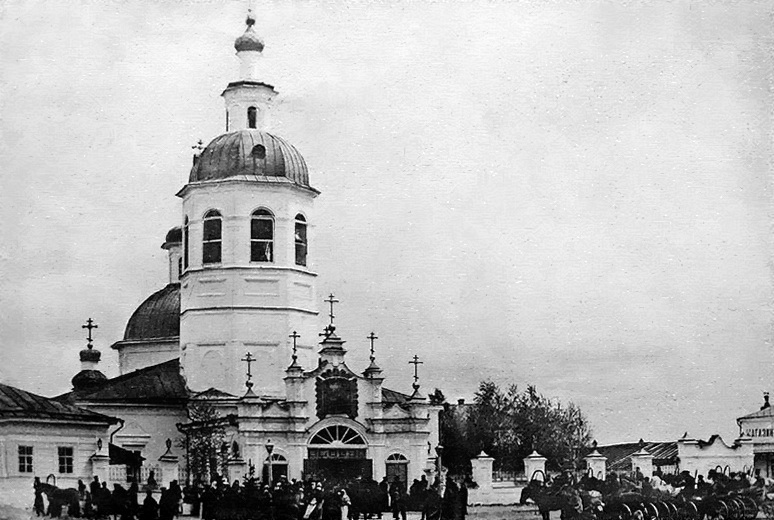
<point>17,403</point>
<point>157,384</point>
<point>393,397</point>
<point>619,456</point>
<point>253,155</point>
<point>174,236</point>
<point>157,317</point>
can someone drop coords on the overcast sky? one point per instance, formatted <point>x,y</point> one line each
<point>570,194</point>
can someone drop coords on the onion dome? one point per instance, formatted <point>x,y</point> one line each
<point>156,317</point>
<point>253,155</point>
<point>90,355</point>
<point>87,380</point>
<point>249,41</point>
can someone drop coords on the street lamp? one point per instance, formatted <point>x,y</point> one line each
<point>270,449</point>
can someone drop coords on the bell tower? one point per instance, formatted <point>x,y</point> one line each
<point>247,247</point>
<point>248,99</point>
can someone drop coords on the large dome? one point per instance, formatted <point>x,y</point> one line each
<point>157,317</point>
<point>254,154</point>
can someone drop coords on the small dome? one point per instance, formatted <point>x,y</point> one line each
<point>249,41</point>
<point>251,153</point>
<point>174,235</point>
<point>90,354</point>
<point>86,380</point>
<point>156,317</point>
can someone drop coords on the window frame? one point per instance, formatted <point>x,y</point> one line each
<point>301,243</point>
<point>26,461</point>
<point>186,242</point>
<point>262,215</point>
<point>66,461</point>
<point>252,122</point>
<point>210,245</point>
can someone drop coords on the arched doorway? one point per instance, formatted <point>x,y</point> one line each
<point>337,453</point>
<point>397,469</point>
<point>279,467</point>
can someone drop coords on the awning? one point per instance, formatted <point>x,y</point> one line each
<point>119,455</point>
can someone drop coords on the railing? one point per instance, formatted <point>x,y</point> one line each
<point>117,473</point>
<point>145,472</point>
<point>507,476</point>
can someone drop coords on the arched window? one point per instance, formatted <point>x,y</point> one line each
<point>179,267</point>
<point>213,237</point>
<point>262,236</point>
<point>185,243</point>
<point>252,114</point>
<point>337,435</point>
<point>301,245</point>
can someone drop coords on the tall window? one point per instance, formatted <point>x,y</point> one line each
<point>300,240</point>
<point>65,459</point>
<point>25,459</point>
<point>213,237</point>
<point>262,236</point>
<point>185,243</point>
<point>251,117</point>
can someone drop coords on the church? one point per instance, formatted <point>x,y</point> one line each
<point>237,329</point>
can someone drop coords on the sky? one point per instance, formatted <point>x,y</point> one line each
<point>575,195</point>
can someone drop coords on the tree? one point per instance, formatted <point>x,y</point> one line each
<point>508,424</point>
<point>205,441</point>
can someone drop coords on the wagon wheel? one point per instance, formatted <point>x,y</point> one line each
<point>651,511</point>
<point>736,509</point>
<point>718,511</point>
<point>622,512</point>
<point>768,510</point>
<point>663,509</point>
<point>673,511</point>
<point>750,508</point>
<point>689,511</point>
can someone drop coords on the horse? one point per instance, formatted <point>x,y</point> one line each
<point>544,498</point>
<point>59,498</point>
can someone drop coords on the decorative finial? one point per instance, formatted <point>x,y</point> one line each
<point>199,146</point>
<point>295,336</point>
<point>250,21</point>
<point>416,362</point>
<point>249,359</point>
<point>372,337</point>
<point>90,325</point>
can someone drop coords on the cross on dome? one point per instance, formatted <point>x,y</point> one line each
<point>90,325</point>
<point>416,362</point>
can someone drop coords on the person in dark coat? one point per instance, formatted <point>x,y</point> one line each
<point>38,505</point>
<point>150,508</point>
<point>167,505</point>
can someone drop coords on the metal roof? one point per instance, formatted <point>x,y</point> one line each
<point>18,403</point>
<point>619,456</point>
<point>156,317</point>
<point>252,153</point>
<point>157,384</point>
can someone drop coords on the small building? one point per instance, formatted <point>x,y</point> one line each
<point>41,437</point>
<point>759,427</point>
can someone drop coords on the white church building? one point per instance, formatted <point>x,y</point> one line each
<point>242,294</point>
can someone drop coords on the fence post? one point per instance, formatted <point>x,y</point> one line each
<point>534,463</point>
<point>597,463</point>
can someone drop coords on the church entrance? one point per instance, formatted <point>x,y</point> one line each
<point>337,453</point>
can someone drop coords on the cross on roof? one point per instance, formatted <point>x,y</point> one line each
<point>295,336</point>
<point>331,299</point>
<point>416,362</point>
<point>372,337</point>
<point>249,359</point>
<point>90,325</point>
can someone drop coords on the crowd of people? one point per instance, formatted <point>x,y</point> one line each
<point>312,499</point>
